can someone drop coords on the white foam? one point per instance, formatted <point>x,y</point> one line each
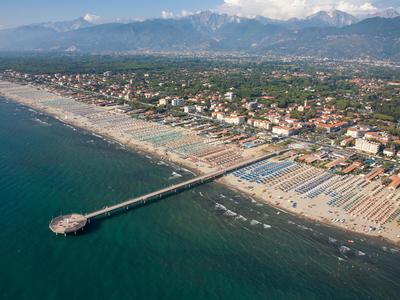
<point>254,222</point>
<point>230,213</point>
<point>41,121</point>
<point>174,175</point>
<point>240,217</point>
<point>219,206</point>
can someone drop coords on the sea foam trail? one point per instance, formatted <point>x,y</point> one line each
<point>240,217</point>
<point>174,175</point>
<point>254,222</point>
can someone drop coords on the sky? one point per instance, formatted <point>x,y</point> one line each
<point>20,12</point>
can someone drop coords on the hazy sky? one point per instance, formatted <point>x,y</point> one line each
<point>18,12</point>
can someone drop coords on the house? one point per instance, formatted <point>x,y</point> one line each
<point>377,136</point>
<point>236,120</point>
<point>354,133</point>
<point>395,182</point>
<point>163,101</point>
<point>389,152</point>
<point>332,127</point>
<point>262,124</point>
<point>346,142</point>
<point>283,131</point>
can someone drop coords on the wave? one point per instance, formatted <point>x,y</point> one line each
<point>230,213</point>
<point>266,226</point>
<point>174,175</point>
<point>331,240</point>
<point>71,127</point>
<point>41,122</point>
<point>96,135</point>
<point>227,212</point>
<point>254,222</point>
<point>240,217</point>
<point>360,253</point>
<point>305,227</point>
<point>188,171</point>
<point>219,206</point>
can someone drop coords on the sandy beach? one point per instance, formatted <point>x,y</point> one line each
<point>182,147</point>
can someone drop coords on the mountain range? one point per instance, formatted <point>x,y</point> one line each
<point>333,34</point>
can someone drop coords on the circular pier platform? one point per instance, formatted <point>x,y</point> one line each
<point>67,224</point>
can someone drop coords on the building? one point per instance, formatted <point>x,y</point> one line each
<point>283,131</point>
<point>378,136</point>
<point>262,124</point>
<point>236,120</point>
<point>251,105</point>
<point>229,96</point>
<point>200,108</point>
<point>367,146</point>
<point>163,101</point>
<point>346,142</point>
<point>188,109</point>
<point>389,152</point>
<point>354,133</point>
<point>395,182</point>
<point>178,102</point>
<point>331,127</point>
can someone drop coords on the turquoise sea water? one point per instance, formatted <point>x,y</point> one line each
<point>206,243</point>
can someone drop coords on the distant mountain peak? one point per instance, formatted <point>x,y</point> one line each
<point>335,18</point>
<point>64,26</point>
<point>210,21</point>
<point>388,13</point>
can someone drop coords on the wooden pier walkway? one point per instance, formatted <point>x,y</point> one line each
<point>67,224</point>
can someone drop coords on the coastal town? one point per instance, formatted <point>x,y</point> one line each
<point>341,166</point>
<point>221,149</point>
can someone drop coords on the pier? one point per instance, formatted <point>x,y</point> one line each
<point>72,223</point>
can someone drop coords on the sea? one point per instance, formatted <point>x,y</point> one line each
<point>205,243</point>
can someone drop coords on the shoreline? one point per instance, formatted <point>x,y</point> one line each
<point>301,216</point>
<point>196,169</point>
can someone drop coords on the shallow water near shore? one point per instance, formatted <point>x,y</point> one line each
<point>205,243</point>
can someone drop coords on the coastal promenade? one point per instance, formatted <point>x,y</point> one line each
<point>71,223</point>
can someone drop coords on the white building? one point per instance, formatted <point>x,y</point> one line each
<point>354,133</point>
<point>200,108</point>
<point>178,102</point>
<point>229,96</point>
<point>236,120</point>
<point>163,101</point>
<point>389,152</point>
<point>367,146</point>
<point>188,109</point>
<point>262,124</point>
<point>283,131</point>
